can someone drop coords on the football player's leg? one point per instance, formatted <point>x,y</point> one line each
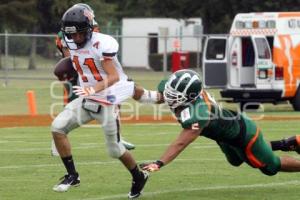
<point>127,145</point>
<point>287,144</point>
<point>289,164</point>
<point>147,96</point>
<point>258,151</point>
<point>71,117</point>
<point>116,149</point>
<point>261,155</point>
<point>231,153</point>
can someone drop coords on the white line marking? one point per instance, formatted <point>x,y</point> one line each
<point>98,163</point>
<point>101,146</point>
<point>221,187</point>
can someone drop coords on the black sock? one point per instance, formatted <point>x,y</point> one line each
<point>136,173</point>
<point>69,164</point>
<point>277,145</point>
<point>288,144</point>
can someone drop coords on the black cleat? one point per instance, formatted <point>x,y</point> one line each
<point>69,180</point>
<point>138,185</point>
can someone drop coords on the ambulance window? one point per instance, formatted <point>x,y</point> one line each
<point>248,55</point>
<point>270,40</point>
<point>262,48</point>
<point>216,49</point>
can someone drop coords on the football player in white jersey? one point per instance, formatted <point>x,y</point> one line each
<point>65,72</point>
<point>103,85</point>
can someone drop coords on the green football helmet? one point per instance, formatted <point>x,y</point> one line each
<point>183,87</point>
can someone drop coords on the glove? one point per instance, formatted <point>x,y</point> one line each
<point>152,166</point>
<point>84,92</point>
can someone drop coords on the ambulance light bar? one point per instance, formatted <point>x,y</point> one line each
<point>294,23</point>
<point>256,24</point>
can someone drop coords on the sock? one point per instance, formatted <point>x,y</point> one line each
<point>149,97</point>
<point>69,164</point>
<point>136,173</point>
<point>288,144</point>
<point>277,145</point>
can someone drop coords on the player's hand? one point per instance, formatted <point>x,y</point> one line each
<point>83,91</point>
<point>152,166</point>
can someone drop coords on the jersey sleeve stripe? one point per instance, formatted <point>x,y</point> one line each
<point>109,54</point>
<point>206,100</point>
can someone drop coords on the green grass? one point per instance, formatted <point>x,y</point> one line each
<point>13,96</point>
<point>14,101</point>
<point>27,171</point>
<point>21,62</point>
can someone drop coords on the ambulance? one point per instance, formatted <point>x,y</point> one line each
<point>258,61</point>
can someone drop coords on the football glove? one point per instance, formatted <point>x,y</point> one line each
<point>83,91</point>
<point>152,166</point>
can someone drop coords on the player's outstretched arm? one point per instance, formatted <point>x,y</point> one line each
<point>186,137</point>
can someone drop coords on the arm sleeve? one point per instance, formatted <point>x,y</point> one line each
<point>109,48</point>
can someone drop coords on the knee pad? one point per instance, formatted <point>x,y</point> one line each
<point>63,123</point>
<point>272,168</point>
<point>267,171</point>
<point>115,149</point>
<point>235,162</point>
<point>112,136</point>
<point>58,126</point>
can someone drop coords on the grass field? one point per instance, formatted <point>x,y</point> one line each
<point>27,171</point>
<point>49,93</point>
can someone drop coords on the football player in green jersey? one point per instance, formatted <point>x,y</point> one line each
<point>238,136</point>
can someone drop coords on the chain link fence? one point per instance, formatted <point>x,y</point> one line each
<point>38,51</point>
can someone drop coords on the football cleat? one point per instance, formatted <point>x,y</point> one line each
<point>128,145</point>
<point>69,180</point>
<point>292,144</point>
<point>138,185</point>
<point>297,148</point>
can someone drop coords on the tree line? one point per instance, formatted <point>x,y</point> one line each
<point>43,16</point>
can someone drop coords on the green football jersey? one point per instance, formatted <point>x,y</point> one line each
<point>215,122</point>
<point>60,35</point>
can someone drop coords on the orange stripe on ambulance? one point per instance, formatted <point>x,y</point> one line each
<point>258,61</point>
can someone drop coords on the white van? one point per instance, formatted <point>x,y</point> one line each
<point>258,62</point>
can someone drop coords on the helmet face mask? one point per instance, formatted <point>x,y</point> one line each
<point>182,88</point>
<point>77,19</point>
<point>174,98</point>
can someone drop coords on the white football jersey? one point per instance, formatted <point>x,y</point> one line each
<point>87,62</point>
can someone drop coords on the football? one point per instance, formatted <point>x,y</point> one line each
<point>64,70</point>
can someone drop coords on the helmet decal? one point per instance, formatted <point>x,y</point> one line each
<point>89,14</point>
<point>183,87</point>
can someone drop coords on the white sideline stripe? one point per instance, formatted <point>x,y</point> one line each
<point>97,163</point>
<point>156,124</point>
<point>221,187</point>
<point>101,146</point>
